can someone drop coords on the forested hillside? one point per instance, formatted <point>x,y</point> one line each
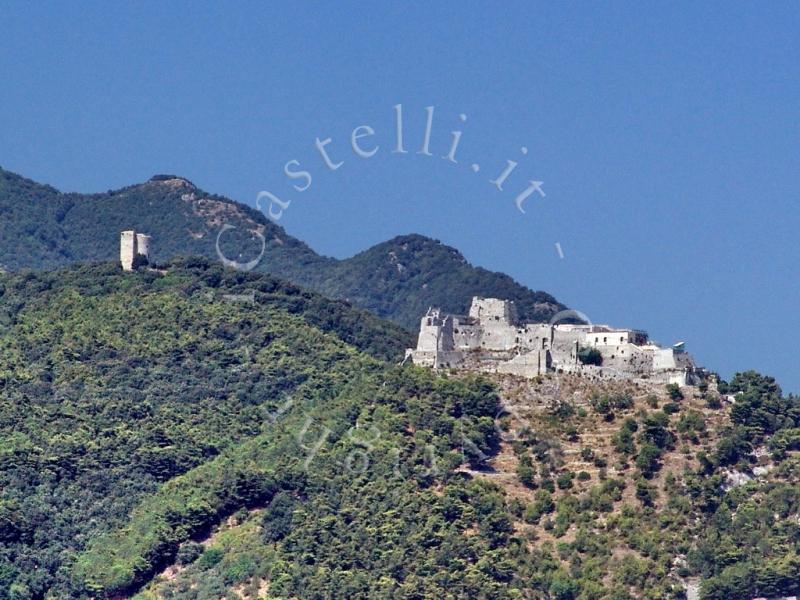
<point>42,228</point>
<point>112,384</point>
<point>140,410</point>
<point>196,433</point>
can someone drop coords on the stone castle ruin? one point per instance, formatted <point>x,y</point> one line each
<point>491,338</point>
<point>134,249</point>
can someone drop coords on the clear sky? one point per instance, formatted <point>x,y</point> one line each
<point>667,136</point>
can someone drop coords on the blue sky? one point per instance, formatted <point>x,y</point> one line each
<point>667,137</point>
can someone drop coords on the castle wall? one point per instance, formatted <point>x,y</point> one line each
<point>491,339</point>
<point>435,333</point>
<point>428,338</point>
<point>435,359</point>
<point>566,341</point>
<point>493,309</point>
<point>627,358</point>
<point>466,336</point>
<point>664,359</point>
<point>499,337</point>
<point>529,364</point>
<point>131,245</point>
<point>614,337</point>
<point>436,342</point>
<point>536,336</point>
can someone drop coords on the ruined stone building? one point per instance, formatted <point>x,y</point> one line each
<point>134,248</point>
<point>491,338</point>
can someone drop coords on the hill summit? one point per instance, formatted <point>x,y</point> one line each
<point>42,228</point>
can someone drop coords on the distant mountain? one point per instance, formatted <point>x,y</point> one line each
<point>42,228</point>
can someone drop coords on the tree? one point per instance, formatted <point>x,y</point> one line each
<point>674,391</point>
<point>564,587</point>
<point>590,356</point>
<point>188,553</point>
<point>645,493</point>
<point>277,521</point>
<point>525,471</point>
<point>647,461</point>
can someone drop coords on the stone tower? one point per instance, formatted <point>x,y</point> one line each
<point>143,244</point>
<point>435,345</point>
<point>127,249</point>
<point>493,310</point>
<point>131,246</point>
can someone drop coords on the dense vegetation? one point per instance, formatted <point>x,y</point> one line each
<point>142,413</point>
<point>41,228</point>
<point>752,547</point>
<point>365,515</point>
<point>139,410</point>
<point>112,384</point>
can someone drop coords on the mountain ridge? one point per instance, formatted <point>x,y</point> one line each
<point>43,228</point>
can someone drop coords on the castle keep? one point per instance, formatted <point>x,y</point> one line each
<point>491,338</point>
<point>133,249</point>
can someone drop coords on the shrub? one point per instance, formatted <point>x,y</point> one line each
<point>188,553</point>
<point>623,441</point>
<point>691,422</point>
<point>647,460</point>
<point>571,433</point>
<point>525,474</point>
<point>622,401</point>
<point>210,558</point>
<point>564,480</point>
<point>645,493</point>
<point>590,356</point>
<point>674,391</point>
<point>544,500</point>
<point>564,588</point>
<point>601,404</point>
<point>532,514</point>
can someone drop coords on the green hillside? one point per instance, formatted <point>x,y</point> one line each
<point>166,399</point>
<point>41,228</point>
<point>197,433</point>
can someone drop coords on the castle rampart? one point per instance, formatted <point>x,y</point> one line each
<point>491,338</point>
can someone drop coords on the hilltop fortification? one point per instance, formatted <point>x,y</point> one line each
<point>491,338</point>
